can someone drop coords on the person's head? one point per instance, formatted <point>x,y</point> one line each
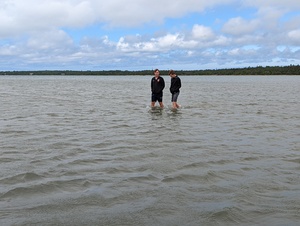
<point>172,73</point>
<point>156,72</point>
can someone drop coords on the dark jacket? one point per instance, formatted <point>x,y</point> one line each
<point>157,85</point>
<point>175,84</point>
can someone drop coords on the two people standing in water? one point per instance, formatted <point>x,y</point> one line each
<point>158,85</point>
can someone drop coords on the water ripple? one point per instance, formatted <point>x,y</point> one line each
<point>89,151</point>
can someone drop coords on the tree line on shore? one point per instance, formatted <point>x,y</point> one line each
<point>268,70</point>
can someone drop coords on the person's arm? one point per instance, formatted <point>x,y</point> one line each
<point>179,83</point>
<point>152,85</point>
<point>172,86</point>
<point>163,84</point>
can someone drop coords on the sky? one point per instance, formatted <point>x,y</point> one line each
<point>147,34</point>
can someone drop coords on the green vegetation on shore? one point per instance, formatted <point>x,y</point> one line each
<point>269,70</point>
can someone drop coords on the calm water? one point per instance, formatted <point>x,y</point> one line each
<point>90,151</point>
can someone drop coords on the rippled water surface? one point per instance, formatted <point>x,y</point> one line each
<point>90,151</point>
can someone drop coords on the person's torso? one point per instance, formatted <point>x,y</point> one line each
<point>175,83</point>
<point>158,84</point>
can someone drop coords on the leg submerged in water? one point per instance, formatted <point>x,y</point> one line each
<point>174,100</point>
<point>175,105</point>
<point>157,98</point>
<point>161,104</point>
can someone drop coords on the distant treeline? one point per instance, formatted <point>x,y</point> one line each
<point>274,70</point>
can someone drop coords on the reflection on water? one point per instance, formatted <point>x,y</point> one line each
<point>90,151</point>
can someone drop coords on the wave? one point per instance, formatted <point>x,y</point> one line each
<point>46,188</point>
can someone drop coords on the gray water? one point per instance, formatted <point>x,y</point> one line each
<point>90,151</point>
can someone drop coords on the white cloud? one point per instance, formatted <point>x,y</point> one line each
<point>286,4</point>
<point>163,43</point>
<point>49,40</point>
<point>168,41</point>
<point>122,45</point>
<point>239,26</point>
<point>8,50</point>
<point>202,32</point>
<point>222,41</point>
<point>137,12</point>
<point>19,16</point>
<point>33,34</point>
<point>294,36</point>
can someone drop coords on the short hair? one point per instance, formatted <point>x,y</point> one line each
<point>171,72</point>
<point>156,70</point>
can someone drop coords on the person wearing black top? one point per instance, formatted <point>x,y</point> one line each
<point>157,87</point>
<point>174,88</point>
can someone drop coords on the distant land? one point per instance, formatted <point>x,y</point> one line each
<point>268,70</point>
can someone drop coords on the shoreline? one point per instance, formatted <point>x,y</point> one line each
<point>259,71</point>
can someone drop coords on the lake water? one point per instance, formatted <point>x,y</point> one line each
<point>90,151</point>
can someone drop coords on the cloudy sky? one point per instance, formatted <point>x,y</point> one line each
<point>147,34</point>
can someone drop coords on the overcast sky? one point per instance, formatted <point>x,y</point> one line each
<point>148,34</point>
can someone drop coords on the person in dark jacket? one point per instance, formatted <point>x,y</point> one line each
<point>174,88</point>
<point>157,87</point>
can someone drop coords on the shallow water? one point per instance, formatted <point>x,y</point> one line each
<point>90,151</point>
